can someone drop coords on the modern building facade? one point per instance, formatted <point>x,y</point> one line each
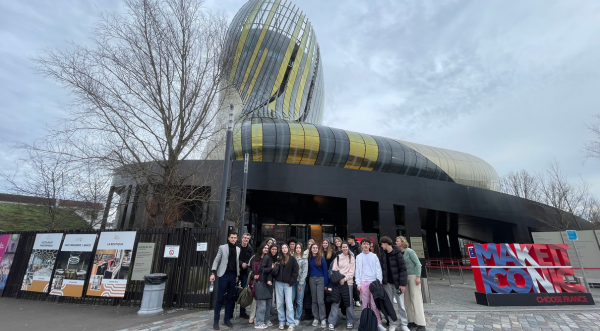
<point>313,181</point>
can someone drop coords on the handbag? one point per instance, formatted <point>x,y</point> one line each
<point>262,290</point>
<point>245,297</point>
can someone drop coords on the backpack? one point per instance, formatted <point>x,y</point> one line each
<point>245,296</point>
<point>368,320</point>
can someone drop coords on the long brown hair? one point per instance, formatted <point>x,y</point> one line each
<point>376,249</point>
<point>284,257</point>
<point>327,255</point>
<point>317,257</point>
<point>294,254</point>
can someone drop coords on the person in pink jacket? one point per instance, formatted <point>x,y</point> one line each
<point>346,264</point>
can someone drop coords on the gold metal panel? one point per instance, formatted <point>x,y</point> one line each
<point>296,142</point>
<point>292,78</point>
<point>357,150</point>
<point>371,153</point>
<point>311,144</point>
<point>303,77</point>
<point>256,73</point>
<point>237,142</point>
<point>257,139</point>
<point>242,41</point>
<point>285,62</point>
<point>265,28</point>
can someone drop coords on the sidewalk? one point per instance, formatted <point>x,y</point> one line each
<point>547,320</point>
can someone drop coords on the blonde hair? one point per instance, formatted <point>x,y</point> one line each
<point>404,242</point>
<point>327,254</point>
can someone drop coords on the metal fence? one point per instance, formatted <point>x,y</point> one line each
<point>188,275</point>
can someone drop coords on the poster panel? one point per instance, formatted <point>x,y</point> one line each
<point>72,264</point>
<point>8,247</point>
<point>143,261</point>
<point>111,264</point>
<point>41,262</point>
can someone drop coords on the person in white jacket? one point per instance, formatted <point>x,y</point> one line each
<point>368,269</point>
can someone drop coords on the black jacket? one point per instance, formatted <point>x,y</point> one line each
<point>336,292</point>
<point>288,273</point>
<point>265,269</point>
<point>397,266</point>
<point>382,301</point>
<point>355,249</point>
<point>246,254</point>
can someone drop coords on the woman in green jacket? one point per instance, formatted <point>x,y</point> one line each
<point>413,300</point>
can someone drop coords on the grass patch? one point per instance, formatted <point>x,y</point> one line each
<point>18,217</point>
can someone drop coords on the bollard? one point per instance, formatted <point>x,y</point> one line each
<point>449,278</point>
<point>425,291</point>
<point>154,291</point>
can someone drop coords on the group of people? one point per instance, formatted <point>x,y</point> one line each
<point>333,277</point>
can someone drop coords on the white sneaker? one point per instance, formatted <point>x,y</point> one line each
<point>350,326</point>
<point>323,323</point>
<point>331,327</point>
<point>269,323</point>
<point>392,328</point>
<point>262,326</point>
<point>287,324</point>
<point>281,327</point>
<point>381,327</point>
<point>297,322</point>
<point>405,328</point>
<point>315,322</point>
<point>291,328</point>
<point>357,303</point>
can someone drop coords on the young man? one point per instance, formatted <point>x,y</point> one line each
<point>227,267</point>
<point>246,253</point>
<point>354,248</point>
<point>368,269</point>
<point>393,269</point>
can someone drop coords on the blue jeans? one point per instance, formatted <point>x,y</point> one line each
<point>225,297</point>
<point>299,298</point>
<point>284,293</point>
<point>243,278</point>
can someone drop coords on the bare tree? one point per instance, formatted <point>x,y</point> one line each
<point>556,191</point>
<point>593,147</point>
<point>145,97</point>
<point>90,189</point>
<point>521,184</point>
<point>48,179</point>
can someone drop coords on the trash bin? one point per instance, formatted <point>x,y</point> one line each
<point>154,290</point>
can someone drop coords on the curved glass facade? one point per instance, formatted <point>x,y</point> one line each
<point>281,141</point>
<point>275,62</point>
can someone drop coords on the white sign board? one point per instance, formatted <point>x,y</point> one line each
<point>201,247</point>
<point>416,243</point>
<point>47,241</point>
<point>143,261</point>
<point>79,243</point>
<point>171,251</point>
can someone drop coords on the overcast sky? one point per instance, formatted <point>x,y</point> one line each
<point>512,82</point>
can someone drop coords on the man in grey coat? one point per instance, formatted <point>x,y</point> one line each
<point>227,267</point>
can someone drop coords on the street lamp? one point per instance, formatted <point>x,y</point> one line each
<point>223,226</point>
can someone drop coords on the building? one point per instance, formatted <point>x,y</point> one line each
<point>312,181</point>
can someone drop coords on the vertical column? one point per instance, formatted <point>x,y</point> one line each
<point>442,233</point>
<point>107,208</point>
<point>431,228</point>
<point>387,223</point>
<point>412,219</point>
<point>453,235</point>
<point>353,216</point>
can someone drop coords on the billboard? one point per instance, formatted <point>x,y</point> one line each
<point>111,265</point>
<point>41,262</point>
<point>535,271</point>
<point>8,247</point>
<point>72,264</point>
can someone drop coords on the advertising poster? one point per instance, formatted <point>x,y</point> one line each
<point>112,259</point>
<point>41,262</point>
<point>72,264</point>
<point>8,247</point>
<point>143,261</point>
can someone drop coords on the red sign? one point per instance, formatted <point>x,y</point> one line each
<point>523,268</point>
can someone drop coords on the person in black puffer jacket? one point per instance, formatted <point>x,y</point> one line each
<point>394,274</point>
<point>263,307</point>
<point>285,278</point>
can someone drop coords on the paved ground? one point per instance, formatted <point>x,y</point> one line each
<point>17,314</point>
<point>547,320</point>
